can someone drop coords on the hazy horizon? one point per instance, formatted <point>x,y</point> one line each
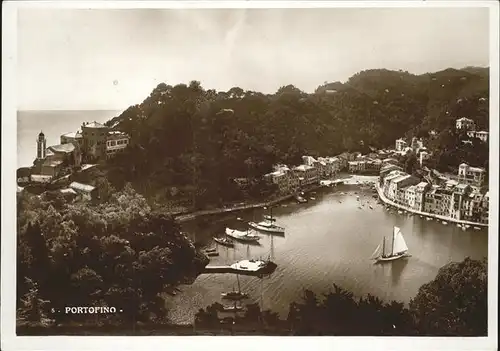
<point>110,59</point>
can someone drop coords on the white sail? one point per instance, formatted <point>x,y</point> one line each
<point>399,244</point>
<point>377,252</point>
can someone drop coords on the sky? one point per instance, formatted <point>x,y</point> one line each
<point>74,59</point>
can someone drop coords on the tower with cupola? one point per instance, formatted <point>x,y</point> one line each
<point>41,146</point>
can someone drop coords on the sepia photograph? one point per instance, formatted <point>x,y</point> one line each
<point>251,170</point>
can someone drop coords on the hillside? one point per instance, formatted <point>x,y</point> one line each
<point>190,142</point>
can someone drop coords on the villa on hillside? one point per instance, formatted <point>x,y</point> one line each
<point>481,135</point>
<point>465,124</point>
<point>471,175</point>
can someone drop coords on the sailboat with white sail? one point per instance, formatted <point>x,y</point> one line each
<point>397,249</point>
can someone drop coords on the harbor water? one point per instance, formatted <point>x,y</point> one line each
<point>328,240</point>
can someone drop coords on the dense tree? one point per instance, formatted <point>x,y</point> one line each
<point>455,303</point>
<point>116,253</point>
<point>198,140</point>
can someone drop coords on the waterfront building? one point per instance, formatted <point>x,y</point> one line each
<point>399,198</point>
<point>307,175</point>
<point>356,166</point>
<point>401,145</point>
<point>472,206</point>
<point>284,178</point>
<point>331,165</point>
<point>410,196</point>
<point>465,124</point>
<point>460,192</point>
<point>420,191</point>
<point>438,201</point>
<point>400,182</point>
<point>116,141</point>
<point>471,175</point>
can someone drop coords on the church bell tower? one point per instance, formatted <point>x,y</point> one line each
<point>41,145</point>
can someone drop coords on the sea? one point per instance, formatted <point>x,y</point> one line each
<point>53,124</point>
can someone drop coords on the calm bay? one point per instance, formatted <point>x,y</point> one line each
<point>328,241</point>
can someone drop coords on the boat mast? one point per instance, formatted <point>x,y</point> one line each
<point>392,247</point>
<point>383,247</point>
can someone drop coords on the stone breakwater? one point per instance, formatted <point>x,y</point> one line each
<point>385,200</point>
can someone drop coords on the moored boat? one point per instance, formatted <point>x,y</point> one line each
<point>234,295</point>
<point>254,266</point>
<point>267,227</point>
<point>300,199</point>
<point>224,241</point>
<point>241,235</point>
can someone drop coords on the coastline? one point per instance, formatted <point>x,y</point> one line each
<point>385,200</point>
<point>184,217</point>
<point>345,178</point>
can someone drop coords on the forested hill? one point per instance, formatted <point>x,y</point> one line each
<point>184,134</point>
